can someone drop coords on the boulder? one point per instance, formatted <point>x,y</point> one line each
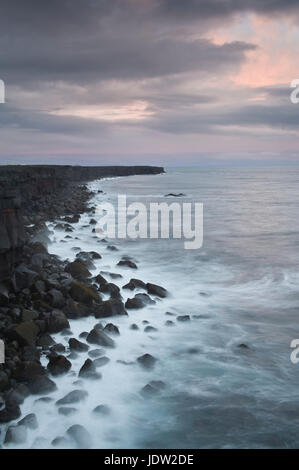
<point>57,322</point>
<point>66,411</point>
<point>101,361</point>
<point>100,338</point>
<point>25,333</point>
<point>147,361</point>
<point>26,371</point>
<point>9,413</point>
<point>85,294</point>
<point>135,284</point>
<point>102,410</point>
<point>183,318</point>
<point>80,436</point>
<point>55,298</point>
<point>30,421</point>
<point>127,263</point>
<point>89,371</point>
<point>110,288</point>
<point>16,435</point>
<point>139,301</point>
<point>41,385</point>
<point>78,270</point>
<point>110,308</point>
<point>58,364</point>
<point>77,346</point>
<point>159,291</point>
<point>45,341</point>
<point>73,397</point>
<point>112,329</point>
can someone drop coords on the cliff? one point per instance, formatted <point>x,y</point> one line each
<point>40,193</point>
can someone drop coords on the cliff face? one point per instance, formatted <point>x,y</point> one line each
<point>37,192</point>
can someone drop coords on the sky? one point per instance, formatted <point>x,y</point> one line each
<point>166,82</point>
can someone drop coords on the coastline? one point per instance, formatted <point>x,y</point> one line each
<point>41,294</point>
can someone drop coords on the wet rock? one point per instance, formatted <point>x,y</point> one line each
<point>110,308</point>
<point>58,365</point>
<point>127,263</point>
<point>150,329</point>
<point>73,397</point>
<point>110,288</point>
<point>29,315</point>
<point>243,346</point>
<point>60,442</point>
<point>80,436</point>
<point>134,327</point>
<point>74,309</point>
<point>169,323</point>
<point>78,270</point>
<point>112,329</point>
<point>88,370</point>
<point>10,413</point>
<point>111,248</point>
<point>44,400</point>
<point>159,291</point>
<point>24,277</point>
<point>183,318</point>
<point>101,361</point>
<point>135,284</point>
<point>17,395</point>
<point>100,338</point>
<point>102,410</point>
<point>30,421</point>
<point>83,293</point>
<point>27,370</point>
<point>76,345</point>
<point>139,301</point>
<point>57,322</point>
<point>55,298</point>
<point>16,435</point>
<point>147,361</point>
<point>25,333</point>
<point>45,341</point>
<point>4,381</point>
<point>41,385</point>
<point>96,353</point>
<point>100,280</point>
<point>57,348</point>
<point>170,314</point>
<point>84,334</point>
<point>65,411</point>
<point>152,388</point>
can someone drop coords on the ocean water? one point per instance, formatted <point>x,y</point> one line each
<point>241,287</point>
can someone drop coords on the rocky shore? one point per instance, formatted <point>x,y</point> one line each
<point>40,294</point>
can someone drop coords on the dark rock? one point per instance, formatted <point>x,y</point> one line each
<point>152,388</point>
<point>76,345</point>
<point>135,284</point>
<point>183,318</point>
<point>150,329</point>
<point>101,361</point>
<point>110,308</point>
<point>134,327</point>
<point>102,410</point>
<point>4,381</point>
<point>159,291</point>
<point>28,370</point>
<point>100,338</point>
<point>147,361</point>
<point>10,413</point>
<point>84,334</point>
<point>58,365</point>
<point>30,421</point>
<point>110,288</point>
<point>25,333</point>
<point>139,301</point>
<point>111,248</point>
<point>29,315</point>
<point>45,341</point>
<point>85,294</point>
<point>16,435</point>
<point>57,348</point>
<point>41,385</point>
<point>78,270</point>
<point>57,322</point>
<point>55,298</point>
<point>88,370</point>
<point>127,263</point>
<point>80,436</point>
<point>73,397</point>
<point>96,353</point>
<point>100,279</point>
<point>169,323</point>
<point>112,329</point>
<point>65,411</point>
